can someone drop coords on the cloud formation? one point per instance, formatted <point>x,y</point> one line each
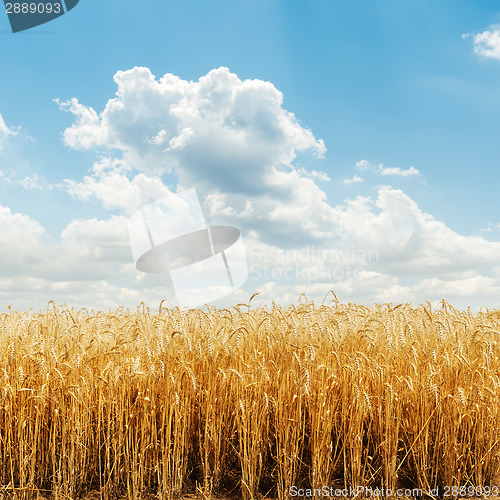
<point>354,179</point>
<point>20,240</point>
<point>4,131</point>
<point>365,165</point>
<point>408,241</point>
<point>217,134</point>
<point>384,249</point>
<point>487,43</point>
<point>235,143</point>
<point>109,183</point>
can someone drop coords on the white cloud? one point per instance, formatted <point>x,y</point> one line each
<point>467,287</point>
<point>491,227</point>
<point>29,182</point>
<point>374,287</point>
<point>292,211</point>
<point>5,131</point>
<point>487,43</point>
<point>218,133</point>
<point>365,165</point>
<point>408,240</point>
<point>233,141</point>
<point>369,249</point>
<point>321,176</point>
<point>398,171</point>
<point>105,239</point>
<point>404,239</point>
<point>382,250</point>
<point>353,179</point>
<point>88,130</point>
<point>371,287</point>
<point>85,266</point>
<point>314,174</point>
<point>85,248</point>
<point>32,183</point>
<point>5,178</point>
<point>110,184</point>
<point>20,240</point>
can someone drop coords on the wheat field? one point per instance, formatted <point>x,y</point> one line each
<point>249,402</point>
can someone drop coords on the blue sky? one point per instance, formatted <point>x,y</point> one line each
<point>375,88</point>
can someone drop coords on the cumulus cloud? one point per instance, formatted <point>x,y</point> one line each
<point>467,287</point>
<point>21,240</point>
<point>217,133</point>
<point>110,184</point>
<point>85,248</point>
<point>487,43</point>
<point>382,250</point>
<point>293,210</point>
<point>85,266</point>
<point>390,233</point>
<point>365,165</point>
<point>235,143</point>
<point>374,250</point>
<point>407,239</point>
<point>373,287</point>
<point>230,139</point>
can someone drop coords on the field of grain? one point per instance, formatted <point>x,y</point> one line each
<point>248,401</point>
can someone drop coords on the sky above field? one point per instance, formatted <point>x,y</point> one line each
<point>355,144</point>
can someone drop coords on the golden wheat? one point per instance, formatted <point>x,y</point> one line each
<point>251,401</point>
